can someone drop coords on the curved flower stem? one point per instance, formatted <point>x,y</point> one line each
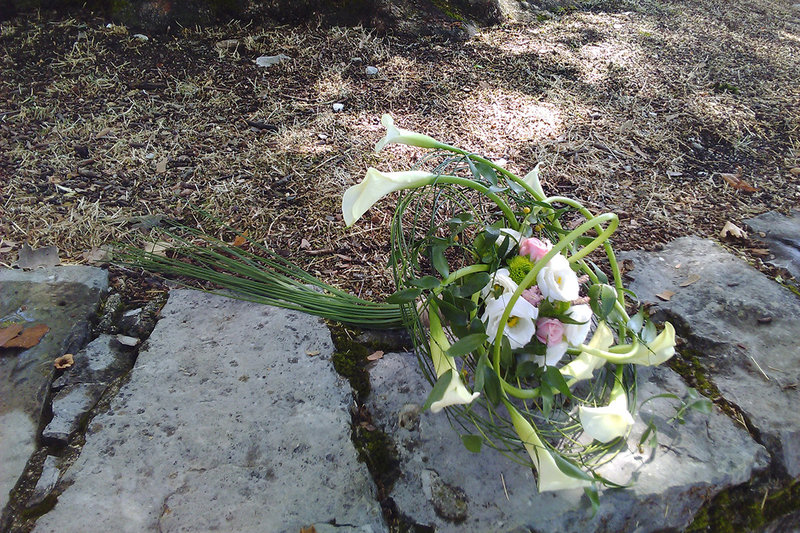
<point>465,182</point>
<point>602,237</point>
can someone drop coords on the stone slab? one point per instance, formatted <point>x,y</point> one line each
<point>225,424</point>
<point>782,235</point>
<point>691,464</point>
<point>63,298</point>
<point>742,325</point>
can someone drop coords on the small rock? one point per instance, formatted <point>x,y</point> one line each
<point>126,340</point>
<point>70,406</point>
<point>112,308</point>
<point>268,61</point>
<point>141,37</point>
<point>371,71</point>
<point>47,481</point>
<point>337,107</point>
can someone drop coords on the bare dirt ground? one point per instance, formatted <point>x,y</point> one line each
<point>677,115</point>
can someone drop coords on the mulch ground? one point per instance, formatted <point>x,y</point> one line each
<point>679,116</point>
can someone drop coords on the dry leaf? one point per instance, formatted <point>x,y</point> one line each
<point>737,183</point>
<point>665,295</point>
<point>97,255</point>
<point>39,257</point>
<point>157,248</point>
<point>9,333</point>
<point>691,279</point>
<point>759,251</point>
<point>312,353</point>
<point>102,133</point>
<point>161,166</point>
<point>733,230</point>
<point>304,244</point>
<point>6,246</point>
<point>239,240</point>
<point>65,361</point>
<point>794,171</point>
<point>375,356</point>
<point>309,529</point>
<point>29,337</point>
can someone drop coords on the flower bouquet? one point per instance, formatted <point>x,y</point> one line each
<point>526,340</point>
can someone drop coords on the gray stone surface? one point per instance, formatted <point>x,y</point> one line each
<point>71,407</point>
<point>47,481</point>
<point>742,325</point>
<point>782,235</point>
<point>63,298</point>
<point>78,389</point>
<point>226,423</point>
<point>692,463</point>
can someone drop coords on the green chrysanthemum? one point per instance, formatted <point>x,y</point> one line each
<point>518,268</point>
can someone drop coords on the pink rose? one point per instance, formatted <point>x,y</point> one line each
<point>550,331</point>
<point>534,248</point>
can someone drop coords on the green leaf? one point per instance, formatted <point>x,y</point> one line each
<point>483,362</point>
<point>569,468</point>
<point>594,498</point>
<point>554,378</point>
<point>492,234</point>
<point>471,283</point>
<point>650,436</point>
<point>453,314</point>
<point>601,276</point>
<point>425,282</point>
<point>698,402</point>
<point>514,186</point>
<point>636,322</point>
<point>404,296</point>
<point>526,369</point>
<point>506,358</point>
<point>438,389</point>
<point>472,442</point>
<point>439,261</point>
<point>602,299</point>
<point>487,172</point>
<point>547,400</point>
<point>491,385</point>
<point>467,344</point>
<point>649,332</point>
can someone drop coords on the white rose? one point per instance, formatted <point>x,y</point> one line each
<point>558,281</point>
<point>520,327</point>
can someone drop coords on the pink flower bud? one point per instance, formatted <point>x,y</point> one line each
<point>533,296</point>
<point>550,331</point>
<point>534,248</point>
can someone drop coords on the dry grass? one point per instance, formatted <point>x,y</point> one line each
<point>635,107</point>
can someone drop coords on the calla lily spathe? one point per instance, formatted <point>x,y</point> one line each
<point>401,136</point>
<point>550,476</point>
<point>607,423</point>
<point>583,366</point>
<point>456,393</point>
<point>375,185</point>
<point>658,351</point>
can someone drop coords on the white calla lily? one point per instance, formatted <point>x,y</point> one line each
<point>532,179</point>
<point>576,333</point>
<point>401,136</point>
<point>606,423</point>
<point>520,327</point>
<point>506,233</point>
<point>653,353</point>
<point>583,366</point>
<point>558,281</point>
<point>550,476</point>
<point>456,393</point>
<point>375,185</point>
